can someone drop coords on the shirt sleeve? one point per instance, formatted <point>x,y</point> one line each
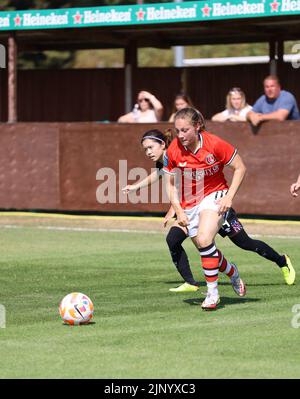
<point>169,163</point>
<point>287,101</point>
<point>257,107</point>
<point>224,151</point>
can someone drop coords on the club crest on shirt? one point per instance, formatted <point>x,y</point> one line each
<point>210,159</point>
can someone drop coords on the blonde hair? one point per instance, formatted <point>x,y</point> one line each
<point>235,90</point>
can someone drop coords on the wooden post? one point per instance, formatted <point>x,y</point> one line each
<point>280,52</point>
<point>12,79</point>
<point>184,80</point>
<point>130,66</point>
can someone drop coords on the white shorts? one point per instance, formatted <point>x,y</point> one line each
<point>208,202</point>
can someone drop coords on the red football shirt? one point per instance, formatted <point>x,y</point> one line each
<point>201,172</point>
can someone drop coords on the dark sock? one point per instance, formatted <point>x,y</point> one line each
<point>174,239</point>
<point>243,241</point>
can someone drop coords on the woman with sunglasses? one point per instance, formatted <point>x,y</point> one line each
<point>236,107</point>
<point>148,109</point>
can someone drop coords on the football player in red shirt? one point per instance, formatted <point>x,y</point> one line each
<point>155,143</point>
<point>204,198</point>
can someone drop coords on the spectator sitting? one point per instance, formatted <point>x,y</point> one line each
<point>236,107</point>
<point>181,101</point>
<point>275,104</point>
<point>147,109</point>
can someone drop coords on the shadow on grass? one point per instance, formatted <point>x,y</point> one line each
<point>177,283</point>
<point>80,325</point>
<point>224,301</point>
<point>226,283</point>
<point>264,284</point>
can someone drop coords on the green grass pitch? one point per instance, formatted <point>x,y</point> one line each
<point>140,329</point>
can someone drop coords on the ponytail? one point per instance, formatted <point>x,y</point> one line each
<point>161,137</point>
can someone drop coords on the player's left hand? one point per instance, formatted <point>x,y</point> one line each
<point>224,204</point>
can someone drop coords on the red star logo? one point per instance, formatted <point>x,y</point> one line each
<point>140,14</point>
<point>206,11</point>
<point>77,18</point>
<point>274,6</point>
<point>17,20</point>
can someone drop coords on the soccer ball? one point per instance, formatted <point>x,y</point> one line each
<point>76,308</point>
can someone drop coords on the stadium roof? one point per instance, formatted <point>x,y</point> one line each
<point>159,25</point>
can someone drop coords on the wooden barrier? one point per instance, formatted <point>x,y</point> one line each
<point>53,166</point>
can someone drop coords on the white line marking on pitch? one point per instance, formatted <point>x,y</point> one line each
<point>100,230</point>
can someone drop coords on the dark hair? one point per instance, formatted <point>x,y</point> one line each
<point>158,136</point>
<point>147,99</point>
<point>184,97</point>
<point>193,115</point>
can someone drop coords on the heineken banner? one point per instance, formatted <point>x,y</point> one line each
<point>146,14</point>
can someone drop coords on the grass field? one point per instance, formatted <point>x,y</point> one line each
<point>140,329</point>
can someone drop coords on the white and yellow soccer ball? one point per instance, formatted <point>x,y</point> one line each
<point>76,308</point>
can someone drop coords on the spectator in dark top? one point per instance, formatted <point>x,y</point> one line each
<point>181,101</point>
<point>275,104</point>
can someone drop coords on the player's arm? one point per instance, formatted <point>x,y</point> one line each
<point>239,170</point>
<point>150,179</point>
<point>295,187</point>
<point>173,196</point>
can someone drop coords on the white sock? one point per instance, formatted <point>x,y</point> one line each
<point>212,288</point>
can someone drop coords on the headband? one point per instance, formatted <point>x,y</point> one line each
<point>153,138</point>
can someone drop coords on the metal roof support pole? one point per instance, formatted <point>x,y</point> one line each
<point>273,60</point>
<point>12,79</point>
<point>130,67</point>
<point>178,50</point>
